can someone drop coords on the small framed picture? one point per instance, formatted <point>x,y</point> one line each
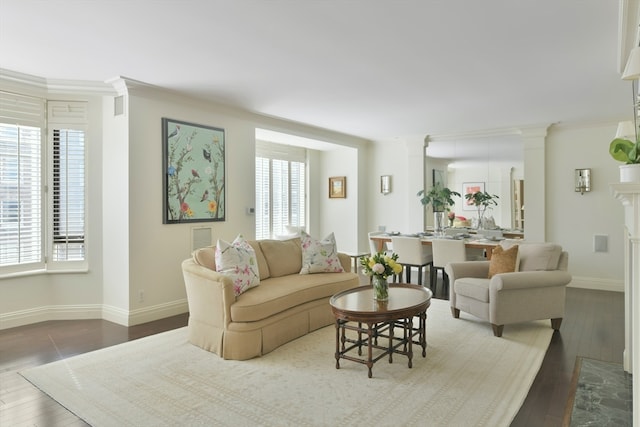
<point>385,184</point>
<point>470,188</point>
<point>338,187</point>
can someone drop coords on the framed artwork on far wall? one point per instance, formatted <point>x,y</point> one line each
<point>193,172</point>
<point>338,187</point>
<point>470,188</point>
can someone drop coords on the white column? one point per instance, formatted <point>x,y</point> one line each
<point>415,174</point>
<point>629,196</point>
<point>534,178</point>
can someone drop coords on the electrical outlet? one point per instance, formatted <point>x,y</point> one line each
<point>141,295</point>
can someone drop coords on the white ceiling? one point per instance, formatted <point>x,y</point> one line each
<point>378,69</point>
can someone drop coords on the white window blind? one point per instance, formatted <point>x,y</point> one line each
<point>280,188</point>
<point>67,180</point>
<point>68,195</point>
<point>21,196</point>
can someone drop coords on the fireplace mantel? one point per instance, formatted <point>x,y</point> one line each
<point>629,195</point>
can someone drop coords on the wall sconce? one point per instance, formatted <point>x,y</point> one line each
<point>385,184</point>
<point>583,180</point>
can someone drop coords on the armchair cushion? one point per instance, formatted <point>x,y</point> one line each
<point>539,256</point>
<point>503,261</point>
<point>476,288</point>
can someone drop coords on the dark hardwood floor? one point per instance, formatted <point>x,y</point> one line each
<point>593,327</point>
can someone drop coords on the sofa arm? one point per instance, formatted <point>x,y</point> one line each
<point>529,279</point>
<point>209,294</point>
<point>457,270</point>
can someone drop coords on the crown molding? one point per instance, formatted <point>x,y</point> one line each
<point>40,86</point>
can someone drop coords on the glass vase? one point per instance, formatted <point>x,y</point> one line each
<point>439,222</point>
<point>380,288</point>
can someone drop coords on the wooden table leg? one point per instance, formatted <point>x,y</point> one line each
<point>409,324</point>
<point>338,344</point>
<point>370,355</point>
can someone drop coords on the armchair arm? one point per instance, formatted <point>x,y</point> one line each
<point>209,294</point>
<point>456,270</point>
<point>529,279</point>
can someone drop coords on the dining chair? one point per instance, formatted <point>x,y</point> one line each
<point>445,251</point>
<point>412,254</point>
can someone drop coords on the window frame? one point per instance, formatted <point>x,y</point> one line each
<point>51,114</point>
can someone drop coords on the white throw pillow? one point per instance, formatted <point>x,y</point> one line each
<point>238,261</point>
<point>319,256</point>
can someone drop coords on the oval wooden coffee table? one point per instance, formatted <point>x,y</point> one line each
<point>354,307</point>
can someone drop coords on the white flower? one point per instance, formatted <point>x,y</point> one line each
<point>378,268</point>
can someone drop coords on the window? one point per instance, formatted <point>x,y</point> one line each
<point>280,188</point>
<point>42,184</point>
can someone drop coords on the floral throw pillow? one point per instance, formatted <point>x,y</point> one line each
<point>319,256</point>
<point>237,260</point>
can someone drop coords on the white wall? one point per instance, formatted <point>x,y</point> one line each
<point>573,219</point>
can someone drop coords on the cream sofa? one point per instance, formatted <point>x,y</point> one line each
<point>284,306</point>
<point>535,291</point>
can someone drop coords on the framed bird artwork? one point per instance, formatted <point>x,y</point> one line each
<point>193,172</point>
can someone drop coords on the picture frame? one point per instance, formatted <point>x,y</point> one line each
<point>385,184</point>
<point>338,187</point>
<point>194,172</point>
<point>470,188</point>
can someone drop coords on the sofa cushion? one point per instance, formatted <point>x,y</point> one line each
<point>284,257</point>
<point>275,295</point>
<point>263,267</point>
<point>503,261</point>
<point>473,287</point>
<point>539,256</point>
<point>319,256</point>
<point>237,260</point>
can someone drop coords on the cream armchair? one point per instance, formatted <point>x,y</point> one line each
<point>535,291</point>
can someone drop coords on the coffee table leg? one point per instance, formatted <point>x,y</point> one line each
<point>337,344</point>
<point>409,324</point>
<point>370,348</point>
<point>423,333</point>
<point>392,325</point>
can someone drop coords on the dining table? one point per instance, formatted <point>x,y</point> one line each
<point>469,242</point>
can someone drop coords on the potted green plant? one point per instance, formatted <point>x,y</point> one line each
<point>627,152</point>
<point>440,198</point>
<point>481,200</point>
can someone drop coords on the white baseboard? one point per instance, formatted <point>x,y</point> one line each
<point>159,311</point>
<point>92,311</point>
<point>49,312</point>
<point>597,284</point>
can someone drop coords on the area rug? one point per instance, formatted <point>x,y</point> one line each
<point>601,395</point>
<point>468,378</point>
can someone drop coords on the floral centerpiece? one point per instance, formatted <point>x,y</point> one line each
<point>379,267</point>
<point>452,216</point>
